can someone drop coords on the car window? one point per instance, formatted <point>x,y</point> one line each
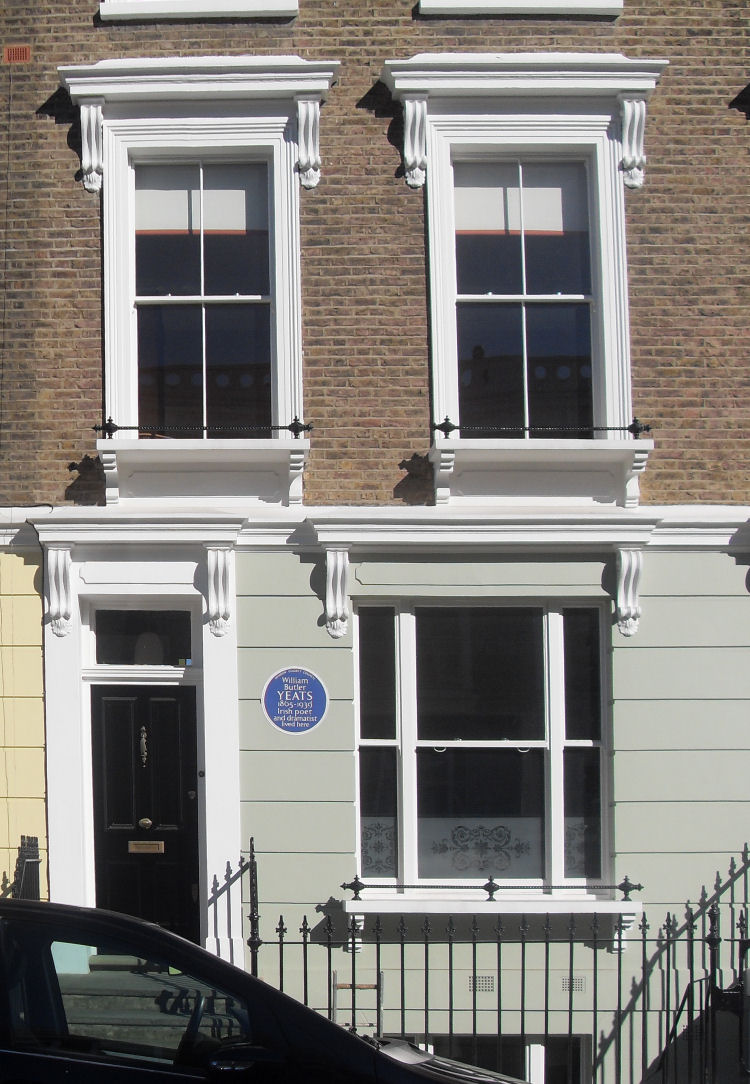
<point>104,1000</point>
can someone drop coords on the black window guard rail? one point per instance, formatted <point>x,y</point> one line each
<point>636,428</point>
<point>625,886</point>
<point>109,428</point>
<point>446,427</point>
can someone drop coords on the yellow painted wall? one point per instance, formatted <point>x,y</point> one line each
<point>22,776</point>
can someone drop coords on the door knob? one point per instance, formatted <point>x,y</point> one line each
<point>145,822</point>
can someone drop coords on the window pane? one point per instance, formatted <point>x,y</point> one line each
<point>143,637</point>
<point>582,679</point>
<point>167,230</point>
<point>377,673</point>
<point>582,813</point>
<point>480,812</point>
<point>490,369</point>
<point>238,370</point>
<point>559,366</point>
<point>488,233</point>
<point>114,1003</point>
<point>235,209</point>
<point>555,225</point>
<point>378,811</point>
<point>170,368</point>
<point>480,674</point>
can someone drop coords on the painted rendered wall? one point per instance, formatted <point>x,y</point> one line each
<point>22,776</point>
<point>680,693</point>
<point>681,714</point>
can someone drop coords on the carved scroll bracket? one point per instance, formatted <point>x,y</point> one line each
<point>629,568</point>
<point>415,141</point>
<point>308,139</point>
<point>337,591</point>
<point>633,136</point>
<point>58,588</point>
<point>92,155</point>
<point>218,600</point>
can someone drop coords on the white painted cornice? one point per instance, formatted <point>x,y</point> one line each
<point>724,528</point>
<point>461,75</point>
<point>216,78</point>
<point>433,84</point>
<point>143,10</point>
<point>99,527</point>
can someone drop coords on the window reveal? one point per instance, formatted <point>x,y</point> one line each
<point>203,299</point>
<point>523,278</point>
<point>471,761</point>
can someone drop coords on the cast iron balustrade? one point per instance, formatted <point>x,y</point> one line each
<point>446,427</point>
<point>659,1005</point>
<point>109,428</point>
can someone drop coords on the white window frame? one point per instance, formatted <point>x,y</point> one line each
<point>558,106</point>
<point>181,110</point>
<point>567,888</point>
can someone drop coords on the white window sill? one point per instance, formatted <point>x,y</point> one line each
<point>609,8</point>
<point>196,9</point>
<point>539,473</point>
<point>203,471</point>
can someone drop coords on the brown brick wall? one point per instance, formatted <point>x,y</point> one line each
<point>363,251</point>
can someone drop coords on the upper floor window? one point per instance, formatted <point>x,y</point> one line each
<point>203,299</point>
<point>199,160</point>
<point>523,298</point>
<point>526,157</point>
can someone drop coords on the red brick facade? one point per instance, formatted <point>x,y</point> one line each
<point>364,269</point>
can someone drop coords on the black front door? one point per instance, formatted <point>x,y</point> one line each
<point>145,803</point>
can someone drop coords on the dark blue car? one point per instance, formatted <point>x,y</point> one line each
<point>91,997</point>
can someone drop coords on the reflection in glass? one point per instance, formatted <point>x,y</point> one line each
<point>490,369</point>
<point>582,812</point>
<point>378,810</point>
<point>582,678</point>
<point>480,812</point>
<point>558,339</point>
<point>202,232</point>
<point>122,634</point>
<point>170,369</point>
<point>377,673</point>
<point>238,370</point>
<point>480,674</point>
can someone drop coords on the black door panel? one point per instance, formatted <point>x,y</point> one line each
<point>145,804</point>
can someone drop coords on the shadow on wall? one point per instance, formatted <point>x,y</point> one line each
<point>88,487</point>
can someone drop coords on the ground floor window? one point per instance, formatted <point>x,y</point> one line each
<point>556,1059</point>
<point>480,743</point>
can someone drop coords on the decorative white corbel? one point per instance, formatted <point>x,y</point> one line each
<point>308,140</point>
<point>629,567</point>
<point>337,591</point>
<point>58,588</point>
<point>92,157</point>
<point>218,600</point>
<point>443,465</point>
<point>111,478</point>
<point>297,460</point>
<point>415,141</point>
<point>633,135</point>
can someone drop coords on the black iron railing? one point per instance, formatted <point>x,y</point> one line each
<point>630,1002</point>
<point>25,884</point>
<point>109,428</point>
<point>636,428</point>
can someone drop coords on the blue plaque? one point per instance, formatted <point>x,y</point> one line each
<point>295,700</point>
